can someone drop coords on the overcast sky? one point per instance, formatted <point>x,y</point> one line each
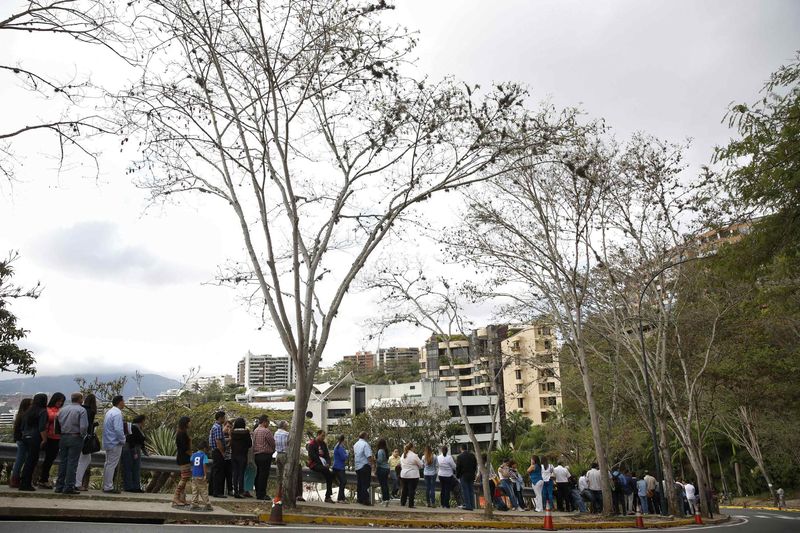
<point>126,285</point>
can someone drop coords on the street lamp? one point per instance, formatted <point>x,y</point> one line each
<point>653,430</point>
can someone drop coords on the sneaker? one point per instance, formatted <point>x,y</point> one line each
<point>112,491</point>
<point>58,491</point>
<point>219,496</point>
<point>73,492</point>
<point>44,485</point>
<point>82,488</point>
<point>329,500</point>
<point>27,489</point>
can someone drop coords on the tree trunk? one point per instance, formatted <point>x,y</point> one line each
<point>597,437</point>
<point>695,461</point>
<point>297,439</point>
<point>738,473</point>
<point>666,466</point>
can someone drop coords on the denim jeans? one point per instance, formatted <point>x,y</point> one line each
<point>69,453</point>
<point>644,504</point>
<point>577,501</point>
<point>507,487</point>
<point>22,453</point>
<point>383,478</point>
<point>131,468</point>
<point>341,478</point>
<point>468,493</point>
<point>430,489</point>
<point>547,494</point>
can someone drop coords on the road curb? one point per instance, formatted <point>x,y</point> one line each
<point>759,508</point>
<point>478,524</point>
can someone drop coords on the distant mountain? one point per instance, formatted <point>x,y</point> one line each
<point>152,384</point>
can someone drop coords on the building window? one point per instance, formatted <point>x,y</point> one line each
<point>545,416</point>
<point>520,403</point>
<point>518,374</point>
<point>547,373</point>
<point>412,387</point>
<point>548,345</point>
<point>519,389</point>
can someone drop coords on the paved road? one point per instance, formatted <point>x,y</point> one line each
<point>746,522</point>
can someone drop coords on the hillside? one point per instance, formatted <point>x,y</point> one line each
<point>152,384</point>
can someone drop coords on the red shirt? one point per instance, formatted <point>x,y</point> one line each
<point>52,414</point>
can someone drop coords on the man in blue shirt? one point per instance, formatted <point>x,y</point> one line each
<point>364,462</point>
<point>113,441</point>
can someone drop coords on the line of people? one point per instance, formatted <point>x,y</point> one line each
<point>67,432</point>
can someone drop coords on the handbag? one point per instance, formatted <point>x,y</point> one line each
<point>91,444</point>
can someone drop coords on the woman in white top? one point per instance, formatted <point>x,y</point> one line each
<point>410,464</point>
<point>447,476</point>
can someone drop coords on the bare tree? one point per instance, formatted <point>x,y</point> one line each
<point>92,22</point>
<point>300,118</point>
<point>533,230</point>
<point>410,297</point>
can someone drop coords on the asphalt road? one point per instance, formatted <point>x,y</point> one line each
<point>746,522</point>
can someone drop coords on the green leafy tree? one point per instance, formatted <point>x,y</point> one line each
<point>13,358</point>
<point>515,426</point>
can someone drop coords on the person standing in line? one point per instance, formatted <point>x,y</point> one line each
<point>217,443</point>
<point>241,442</point>
<point>340,456</point>
<point>517,483</point>
<point>74,424</point>
<point>113,441</point>
<point>319,460</point>
<point>227,429</point>
<point>447,472</point>
<point>466,470</point>
<point>135,446</point>
<point>183,443</point>
<point>364,463</point>
<point>651,492</point>
<point>595,482</point>
<point>22,451</point>
<point>34,435</point>
<point>250,471</point>
<point>627,491</point>
<point>394,473</point>
<point>281,447</point>
<point>535,473</point>
<point>53,440</point>
<point>410,465</point>
<point>547,484</point>
<point>90,405</point>
<point>691,495</point>
<point>263,449</point>
<point>430,470</point>
<point>562,474</point>
<point>199,462</point>
<point>382,470</point>
<point>641,492</point>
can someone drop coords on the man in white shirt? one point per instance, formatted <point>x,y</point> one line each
<point>655,504</point>
<point>563,500</point>
<point>364,460</point>
<point>113,441</point>
<point>691,496</point>
<point>595,482</point>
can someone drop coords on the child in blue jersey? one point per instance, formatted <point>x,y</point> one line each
<point>199,463</point>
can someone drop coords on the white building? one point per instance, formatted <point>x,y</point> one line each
<point>266,371</point>
<point>201,382</point>
<point>137,402</point>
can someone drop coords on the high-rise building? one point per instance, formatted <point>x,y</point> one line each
<point>266,371</point>
<point>201,382</point>
<point>394,358</point>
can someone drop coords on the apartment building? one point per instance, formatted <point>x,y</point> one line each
<point>201,382</point>
<point>266,371</point>
<point>395,358</point>
<point>531,372</point>
<point>361,360</point>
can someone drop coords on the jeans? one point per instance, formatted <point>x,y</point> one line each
<point>562,497</point>
<point>447,487</point>
<point>217,473</point>
<point>34,445</point>
<point>22,453</point>
<point>341,478</point>
<point>644,504</point>
<point>50,454</point>
<point>577,501</point>
<point>238,465</point>
<point>363,476</point>
<point>112,460</point>
<point>68,455</point>
<point>468,493</point>
<point>409,491</point>
<point>597,500</point>
<point>547,494</point>
<point>507,487</point>
<point>131,468</point>
<point>629,503</point>
<point>383,478</point>
<point>263,464</point>
<point>430,489</point>
<point>395,482</point>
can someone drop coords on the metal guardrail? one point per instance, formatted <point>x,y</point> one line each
<point>166,463</point>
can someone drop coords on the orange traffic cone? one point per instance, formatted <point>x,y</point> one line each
<point>276,514</point>
<point>548,518</point>
<point>639,518</point>
<point>698,518</point>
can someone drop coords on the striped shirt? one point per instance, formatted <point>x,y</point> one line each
<point>281,440</point>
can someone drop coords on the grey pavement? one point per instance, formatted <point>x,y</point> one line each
<point>746,521</point>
